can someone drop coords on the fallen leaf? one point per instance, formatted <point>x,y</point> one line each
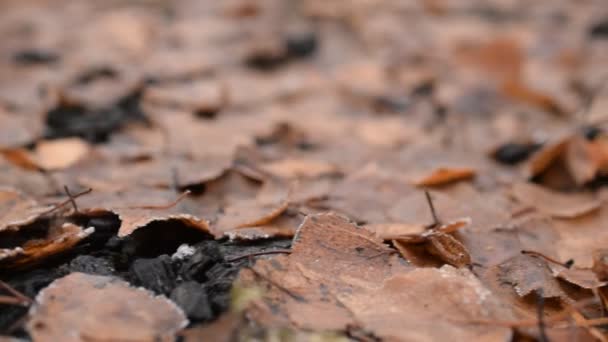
<point>80,307</point>
<point>17,210</point>
<point>300,168</point>
<point>57,240</point>
<point>553,203</point>
<point>582,277</point>
<point>600,263</point>
<point>338,274</point>
<point>528,274</point>
<point>136,209</point>
<point>546,156</point>
<point>444,175</point>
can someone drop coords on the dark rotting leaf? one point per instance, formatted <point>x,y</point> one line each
<point>301,44</point>
<point>94,74</point>
<point>154,274</point>
<point>35,56</point>
<point>514,153</point>
<point>192,297</point>
<point>95,126</point>
<point>591,132</point>
<point>599,30</point>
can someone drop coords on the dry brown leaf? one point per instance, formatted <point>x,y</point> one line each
<point>138,208</point>
<point>338,275</point>
<point>81,307</point>
<point>58,240</point>
<point>582,159</point>
<point>546,156</point>
<point>448,249</point>
<point>528,274</point>
<point>300,168</point>
<point>17,210</point>
<point>388,231</point>
<point>553,203</point>
<point>582,277</point>
<point>600,263</point>
<point>49,154</point>
<point>444,175</point>
<point>269,204</point>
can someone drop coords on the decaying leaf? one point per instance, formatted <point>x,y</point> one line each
<point>338,274</point>
<point>80,307</point>
<point>444,175</point>
<point>58,239</point>
<point>553,203</point>
<point>528,274</point>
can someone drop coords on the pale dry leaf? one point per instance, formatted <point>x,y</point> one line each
<point>61,153</point>
<point>81,307</point>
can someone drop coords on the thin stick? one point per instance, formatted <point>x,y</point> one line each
<point>69,200</point>
<point>429,200</point>
<point>540,314</point>
<point>14,292</point>
<point>163,207</point>
<point>547,258</point>
<point>274,251</point>
<point>12,301</point>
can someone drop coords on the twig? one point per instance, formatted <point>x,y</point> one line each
<point>278,286</point>
<point>69,200</point>
<point>567,264</point>
<point>429,200</point>
<point>163,207</point>
<point>12,301</point>
<point>540,314</point>
<point>274,251</point>
<point>14,292</point>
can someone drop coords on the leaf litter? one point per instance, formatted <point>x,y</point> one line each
<point>263,176</point>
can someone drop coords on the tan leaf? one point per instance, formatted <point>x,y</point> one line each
<point>80,307</point>
<point>554,203</point>
<point>61,153</point>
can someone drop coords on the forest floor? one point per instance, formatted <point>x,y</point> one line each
<point>295,170</point>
